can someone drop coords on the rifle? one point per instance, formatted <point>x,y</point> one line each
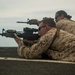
<point>30,34</point>
<point>30,22</point>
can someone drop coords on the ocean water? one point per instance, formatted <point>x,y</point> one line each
<point>11,24</point>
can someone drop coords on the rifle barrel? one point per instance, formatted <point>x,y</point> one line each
<point>0,33</point>
<point>21,22</point>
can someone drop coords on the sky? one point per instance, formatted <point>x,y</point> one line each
<point>19,10</point>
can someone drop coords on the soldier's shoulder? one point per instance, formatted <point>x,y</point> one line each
<point>64,21</point>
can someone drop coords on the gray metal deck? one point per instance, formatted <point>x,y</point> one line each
<point>12,64</point>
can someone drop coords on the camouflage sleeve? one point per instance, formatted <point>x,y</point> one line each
<point>59,24</point>
<point>38,48</point>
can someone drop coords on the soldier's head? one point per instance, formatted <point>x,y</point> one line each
<point>61,14</point>
<point>45,25</point>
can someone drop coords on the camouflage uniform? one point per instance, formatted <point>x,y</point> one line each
<point>66,25</point>
<point>59,45</point>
